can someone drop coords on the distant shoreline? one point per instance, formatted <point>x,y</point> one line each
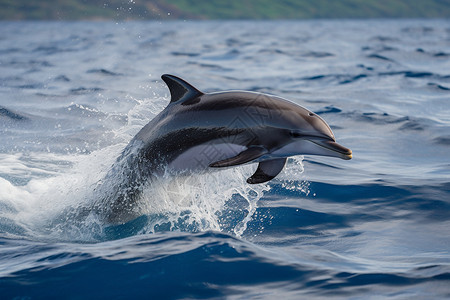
<point>73,10</point>
<point>228,20</point>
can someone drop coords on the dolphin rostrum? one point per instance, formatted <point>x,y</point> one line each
<point>199,131</point>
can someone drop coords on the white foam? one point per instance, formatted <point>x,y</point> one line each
<point>49,207</point>
<point>196,202</point>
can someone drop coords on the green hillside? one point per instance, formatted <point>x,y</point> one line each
<point>220,9</point>
<point>306,9</point>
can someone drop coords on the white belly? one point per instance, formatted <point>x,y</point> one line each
<point>201,156</point>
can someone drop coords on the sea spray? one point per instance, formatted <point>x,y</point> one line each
<point>63,207</point>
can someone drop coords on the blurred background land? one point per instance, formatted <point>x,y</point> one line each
<point>220,9</point>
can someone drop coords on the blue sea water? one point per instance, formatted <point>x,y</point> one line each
<point>73,94</point>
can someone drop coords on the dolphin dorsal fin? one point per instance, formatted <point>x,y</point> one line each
<point>181,91</point>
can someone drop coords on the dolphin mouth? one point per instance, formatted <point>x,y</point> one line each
<point>342,151</point>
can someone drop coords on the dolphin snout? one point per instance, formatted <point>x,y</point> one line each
<point>339,150</point>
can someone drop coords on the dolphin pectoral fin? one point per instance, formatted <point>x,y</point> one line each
<point>181,91</point>
<point>267,170</point>
<point>245,156</point>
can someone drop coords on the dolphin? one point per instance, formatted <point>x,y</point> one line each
<point>203,131</point>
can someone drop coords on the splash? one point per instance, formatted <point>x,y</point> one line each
<point>60,207</point>
<point>220,201</point>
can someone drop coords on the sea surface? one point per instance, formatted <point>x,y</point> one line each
<point>73,94</point>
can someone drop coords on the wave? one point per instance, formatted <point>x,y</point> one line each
<point>438,86</point>
<point>6,114</point>
<point>338,78</point>
<point>343,79</point>
<point>103,72</point>
<point>84,90</point>
<point>180,265</point>
<point>380,57</point>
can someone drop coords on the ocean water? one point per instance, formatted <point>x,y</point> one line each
<point>73,94</point>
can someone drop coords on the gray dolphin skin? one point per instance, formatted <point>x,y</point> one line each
<point>200,131</point>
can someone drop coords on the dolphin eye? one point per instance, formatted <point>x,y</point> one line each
<point>311,114</point>
<point>295,134</point>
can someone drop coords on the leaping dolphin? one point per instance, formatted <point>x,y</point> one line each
<point>199,131</point>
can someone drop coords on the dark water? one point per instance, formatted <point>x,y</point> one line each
<point>73,94</point>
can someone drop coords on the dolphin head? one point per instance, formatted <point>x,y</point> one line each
<point>310,134</point>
